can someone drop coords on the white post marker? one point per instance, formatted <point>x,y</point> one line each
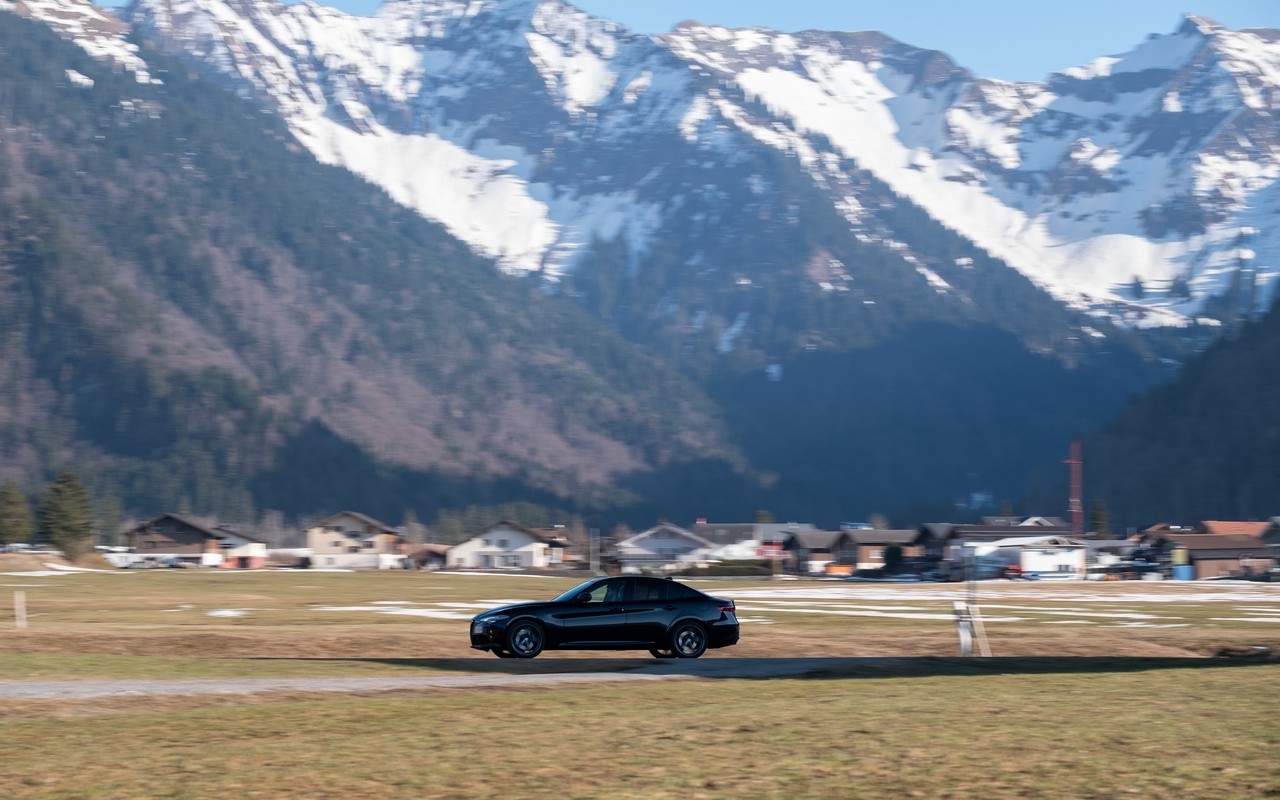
<point>969,628</point>
<point>964,628</point>
<point>20,609</point>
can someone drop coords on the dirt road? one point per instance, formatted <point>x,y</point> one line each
<point>749,668</point>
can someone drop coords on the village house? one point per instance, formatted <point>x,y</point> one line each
<point>1051,557</point>
<point>174,540</point>
<point>957,541</point>
<point>1267,531</point>
<point>507,545</point>
<point>430,556</point>
<point>664,547</point>
<point>739,541</point>
<point>351,540</point>
<point>810,551</point>
<point>1217,555</point>
<point>867,548</point>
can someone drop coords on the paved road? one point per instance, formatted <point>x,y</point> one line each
<point>754,668</point>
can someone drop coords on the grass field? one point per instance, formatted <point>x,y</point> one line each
<point>1096,690</point>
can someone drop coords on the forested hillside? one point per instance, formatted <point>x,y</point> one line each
<point>202,318</point>
<point>1204,446</point>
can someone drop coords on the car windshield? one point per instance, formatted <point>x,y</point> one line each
<point>575,591</point>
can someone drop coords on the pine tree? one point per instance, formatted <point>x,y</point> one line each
<point>66,515</point>
<point>1099,527</point>
<point>16,522</point>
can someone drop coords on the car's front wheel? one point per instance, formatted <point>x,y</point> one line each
<point>688,640</point>
<point>525,639</point>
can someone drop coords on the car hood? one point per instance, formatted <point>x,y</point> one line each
<point>508,609</point>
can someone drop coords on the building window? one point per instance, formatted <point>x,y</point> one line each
<point>874,554</point>
<point>368,545</point>
<point>502,543</point>
<point>353,549</point>
<point>336,543</point>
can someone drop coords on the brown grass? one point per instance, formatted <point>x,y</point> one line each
<point>1063,711</point>
<point>1037,735</point>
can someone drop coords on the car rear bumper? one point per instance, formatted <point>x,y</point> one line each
<point>722,634</point>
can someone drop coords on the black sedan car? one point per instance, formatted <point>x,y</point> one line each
<point>667,618</point>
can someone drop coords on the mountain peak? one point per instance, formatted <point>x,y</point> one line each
<point>1194,24</point>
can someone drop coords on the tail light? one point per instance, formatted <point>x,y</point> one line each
<point>726,608</point>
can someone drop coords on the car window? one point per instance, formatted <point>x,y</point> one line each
<point>681,592</point>
<point>651,591</point>
<point>613,590</point>
<point>619,590</point>
<point>572,595</point>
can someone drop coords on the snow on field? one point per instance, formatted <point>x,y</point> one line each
<point>492,574</point>
<point>1169,592</point>
<point>854,611</point>
<point>400,612</point>
<point>1245,619</point>
<point>934,602</point>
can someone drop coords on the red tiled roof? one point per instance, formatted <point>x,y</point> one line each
<point>1226,541</point>
<point>1226,528</point>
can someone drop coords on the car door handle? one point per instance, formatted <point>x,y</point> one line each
<point>668,608</point>
<point>616,610</point>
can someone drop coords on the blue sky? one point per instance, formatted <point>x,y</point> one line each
<point>1009,39</point>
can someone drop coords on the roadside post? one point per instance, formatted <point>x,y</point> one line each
<point>969,626</point>
<point>964,628</point>
<point>20,609</point>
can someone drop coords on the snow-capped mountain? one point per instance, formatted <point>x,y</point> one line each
<point>1136,187</point>
<point>870,277</point>
<point>1147,166</point>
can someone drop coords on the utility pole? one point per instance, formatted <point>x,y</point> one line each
<point>1076,503</point>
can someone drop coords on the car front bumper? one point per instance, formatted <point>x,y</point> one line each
<point>487,637</point>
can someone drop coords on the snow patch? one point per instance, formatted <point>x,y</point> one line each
<point>79,80</point>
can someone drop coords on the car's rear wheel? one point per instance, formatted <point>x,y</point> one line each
<point>656,653</point>
<point>525,639</point>
<point>688,640</point>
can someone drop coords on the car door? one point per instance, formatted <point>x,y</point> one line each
<point>602,618</point>
<point>651,610</point>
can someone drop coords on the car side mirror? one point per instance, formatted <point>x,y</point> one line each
<point>583,598</point>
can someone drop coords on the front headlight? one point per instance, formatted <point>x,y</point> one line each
<point>489,620</point>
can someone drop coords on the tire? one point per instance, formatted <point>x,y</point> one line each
<point>525,639</point>
<point>656,653</point>
<point>688,640</point>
